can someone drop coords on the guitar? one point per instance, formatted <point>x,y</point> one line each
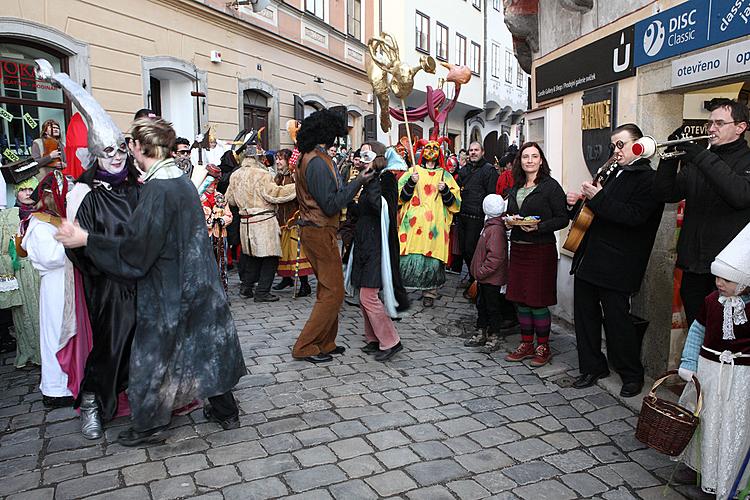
<point>583,219</point>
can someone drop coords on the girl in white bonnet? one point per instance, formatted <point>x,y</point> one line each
<point>717,351</point>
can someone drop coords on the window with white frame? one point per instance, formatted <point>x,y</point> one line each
<point>477,4</point>
<point>316,7</point>
<point>496,5</point>
<point>422,33</point>
<point>476,58</point>
<point>460,50</point>
<point>354,18</point>
<point>508,66</point>
<point>497,60</point>
<point>520,77</point>
<point>441,42</point>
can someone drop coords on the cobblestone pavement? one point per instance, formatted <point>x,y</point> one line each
<point>437,421</point>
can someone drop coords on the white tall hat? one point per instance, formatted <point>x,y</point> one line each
<point>733,263</point>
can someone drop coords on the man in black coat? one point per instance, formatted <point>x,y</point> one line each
<point>476,179</point>
<point>715,184</point>
<point>610,263</point>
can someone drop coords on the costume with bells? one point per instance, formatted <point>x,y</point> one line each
<point>717,350</point>
<point>425,219</point>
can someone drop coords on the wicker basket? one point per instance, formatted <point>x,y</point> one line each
<point>665,426</point>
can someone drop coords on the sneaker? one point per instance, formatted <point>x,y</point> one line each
<point>523,351</point>
<point>477,340</point>
<point>542,355</point>
<point>492,345</point>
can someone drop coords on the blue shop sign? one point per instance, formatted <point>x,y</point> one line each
<point>690,26</point>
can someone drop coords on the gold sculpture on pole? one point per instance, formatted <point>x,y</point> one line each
<point>387,73</point>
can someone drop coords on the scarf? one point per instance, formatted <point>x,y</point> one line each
<point>734,314</point>
<point>114,179</point>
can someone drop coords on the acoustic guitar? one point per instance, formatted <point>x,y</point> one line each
<point>583,219</point>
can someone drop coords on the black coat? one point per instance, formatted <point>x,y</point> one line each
<point>110,301</point>
<point>476,181</point>
<point>185,345</point>
<point>614,252</point>
<point>547,201</point>
<point>367,238</point>
<point>716,190</point>
<point>228,165</point>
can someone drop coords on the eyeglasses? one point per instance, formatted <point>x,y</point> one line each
<point>617,145</point>
<point>719,123</point>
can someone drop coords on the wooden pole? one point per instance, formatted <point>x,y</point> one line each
<point>408,134</point>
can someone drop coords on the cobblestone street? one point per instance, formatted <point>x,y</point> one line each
<point>437,421</point>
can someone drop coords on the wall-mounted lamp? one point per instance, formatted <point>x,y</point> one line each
<point>318,79</point>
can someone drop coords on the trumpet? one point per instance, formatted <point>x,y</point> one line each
<point>646,146</point>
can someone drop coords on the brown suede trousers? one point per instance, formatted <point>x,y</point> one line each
<point>319,333</point>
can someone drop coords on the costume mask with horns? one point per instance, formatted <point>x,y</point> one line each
<point>431,150</point>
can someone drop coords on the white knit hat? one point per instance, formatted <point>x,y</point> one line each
<point>493,205</point>
<point>733,264</point>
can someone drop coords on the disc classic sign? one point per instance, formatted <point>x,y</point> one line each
<point>598,112</point>
<point>605,61</point>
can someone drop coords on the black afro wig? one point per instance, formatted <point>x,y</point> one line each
<point>321,127</point>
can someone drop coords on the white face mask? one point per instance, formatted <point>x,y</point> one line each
<point>113,164</point>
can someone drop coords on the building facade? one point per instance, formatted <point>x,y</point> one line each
<point>254,69</point>
<point>597,64</point>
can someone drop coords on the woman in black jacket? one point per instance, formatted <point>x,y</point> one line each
<point>532,274</point>
<point>380,333</point>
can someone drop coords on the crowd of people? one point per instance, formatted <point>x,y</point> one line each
<point>118,279</point>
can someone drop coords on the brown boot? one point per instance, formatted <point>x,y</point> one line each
<point>523,351</point>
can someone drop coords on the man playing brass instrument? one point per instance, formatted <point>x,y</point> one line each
<point>715,184</point>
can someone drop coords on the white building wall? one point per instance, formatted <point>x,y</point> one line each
<point>459,16</point>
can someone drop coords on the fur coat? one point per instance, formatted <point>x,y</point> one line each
<point>253,191</point>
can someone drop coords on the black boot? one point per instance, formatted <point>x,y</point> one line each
<point>304,289</point>
<point>246,291</point>
<point>284,283</point>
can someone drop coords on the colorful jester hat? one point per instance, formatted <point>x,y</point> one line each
<point>431,150</point>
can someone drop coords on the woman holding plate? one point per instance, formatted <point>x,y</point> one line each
<point>536,209</point>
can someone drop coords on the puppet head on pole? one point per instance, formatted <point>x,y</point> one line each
<point>431,151</point>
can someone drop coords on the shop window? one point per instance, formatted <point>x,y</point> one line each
<point>255,113</point>
<point>26,102</point>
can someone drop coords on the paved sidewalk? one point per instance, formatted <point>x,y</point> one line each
<point>437,421</point>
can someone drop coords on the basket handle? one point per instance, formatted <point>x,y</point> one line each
<point>699,402</point>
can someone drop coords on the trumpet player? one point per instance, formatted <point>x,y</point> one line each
<point>715,184</point>
<point>610,262</point>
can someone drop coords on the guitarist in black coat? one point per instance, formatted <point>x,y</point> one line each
<point>610,263</point>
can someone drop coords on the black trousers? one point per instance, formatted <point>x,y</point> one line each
<point>693,290</point>
<point>260,270</point>
<point>594,306</point>
<point>492,308</point>
<point>469,229</point>
<point>224,405</point>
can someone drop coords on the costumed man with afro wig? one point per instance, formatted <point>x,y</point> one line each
<point>321,196</point>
